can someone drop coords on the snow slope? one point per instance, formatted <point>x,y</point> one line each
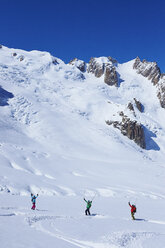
<point>54,141</point>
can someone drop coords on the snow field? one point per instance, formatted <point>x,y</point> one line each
<point>61,221</point>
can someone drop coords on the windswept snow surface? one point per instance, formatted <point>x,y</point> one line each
<point>54,142</point>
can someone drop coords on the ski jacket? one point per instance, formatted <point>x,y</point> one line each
<point>133,208</point>
<point>89,203</point>
<point>34,198</point>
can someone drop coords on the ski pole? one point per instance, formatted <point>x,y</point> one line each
<point>89,194</point>
<point>39,192</point>
<point>94,196</point>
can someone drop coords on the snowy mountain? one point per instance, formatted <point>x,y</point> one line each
<point>69,131</point>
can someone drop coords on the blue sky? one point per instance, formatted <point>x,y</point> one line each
<point>122,29</point>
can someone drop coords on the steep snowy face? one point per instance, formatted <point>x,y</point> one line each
<point>54,113</point>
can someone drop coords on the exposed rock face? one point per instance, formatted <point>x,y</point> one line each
<point>153,73</point>
<point>139,105</point>
<point>0,46</point>
<point>148,69</point>
<point>104,67</point>
<point>161,92</point>
<point>114,61</point>
<point>54,61</point>
<point>110,76</point>
<point>134,131</point>
<point>99,67</point>
<point>130,106</point>
<point>81,65</point>
<point>96,68</point>
<point>21,58</point>
<point>131,129</point>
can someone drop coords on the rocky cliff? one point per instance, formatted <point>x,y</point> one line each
<point>104,66</point>
<point>161,91</point>
<point>148,69</point>
<point>130,128</point>
<point>153,73</point>
<point>80,64</point>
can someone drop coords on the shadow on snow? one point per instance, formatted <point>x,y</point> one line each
<point>140,219</point>
<point>120,80</point>
<point>150,143</point>
<point>4,96</point>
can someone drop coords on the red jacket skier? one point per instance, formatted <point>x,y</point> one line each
<point>133,210</point>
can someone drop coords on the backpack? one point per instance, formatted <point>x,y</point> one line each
<point>134,208</point>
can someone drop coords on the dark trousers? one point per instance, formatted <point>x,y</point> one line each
<point>132,214</point>
<point>87,212</point>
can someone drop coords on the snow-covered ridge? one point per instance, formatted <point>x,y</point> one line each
<point>48,102</point>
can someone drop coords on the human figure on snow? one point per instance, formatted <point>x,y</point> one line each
<point>133,210</point>
<point>89,204</point>
<point>33,199</point>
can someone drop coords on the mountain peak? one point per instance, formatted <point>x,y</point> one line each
<point>147,69</point>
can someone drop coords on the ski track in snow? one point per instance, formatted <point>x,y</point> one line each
<point>131,239</point>
<point>115,240</point>
<point>48,224</point>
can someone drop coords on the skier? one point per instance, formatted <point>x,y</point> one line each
<point>133,210</point>
<point>33,199</point>
<point>89,204</point>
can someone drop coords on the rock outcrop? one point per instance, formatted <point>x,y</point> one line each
<point>153,73</point>
<point>0,46</point>
<point>81,65</point>
<point>138,105</point>
<point>95,67</point>
<point>130,106</point>
<point>161,92</point>
<point>54,61</point>
<point>21,58</point>
<point>104,66</point>
<point>147,69</point>
<point>114,61</point>
<point>130,128</point>
<point>110,76</point>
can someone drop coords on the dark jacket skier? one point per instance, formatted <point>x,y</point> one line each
<point>89,204</point>
<point>133,210</point>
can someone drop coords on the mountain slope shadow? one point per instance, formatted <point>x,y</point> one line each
<point>120,80</point>
<point>5,96</point>
<point>150,143</point>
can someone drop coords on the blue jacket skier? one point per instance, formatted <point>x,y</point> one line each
<point>33,199</point>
